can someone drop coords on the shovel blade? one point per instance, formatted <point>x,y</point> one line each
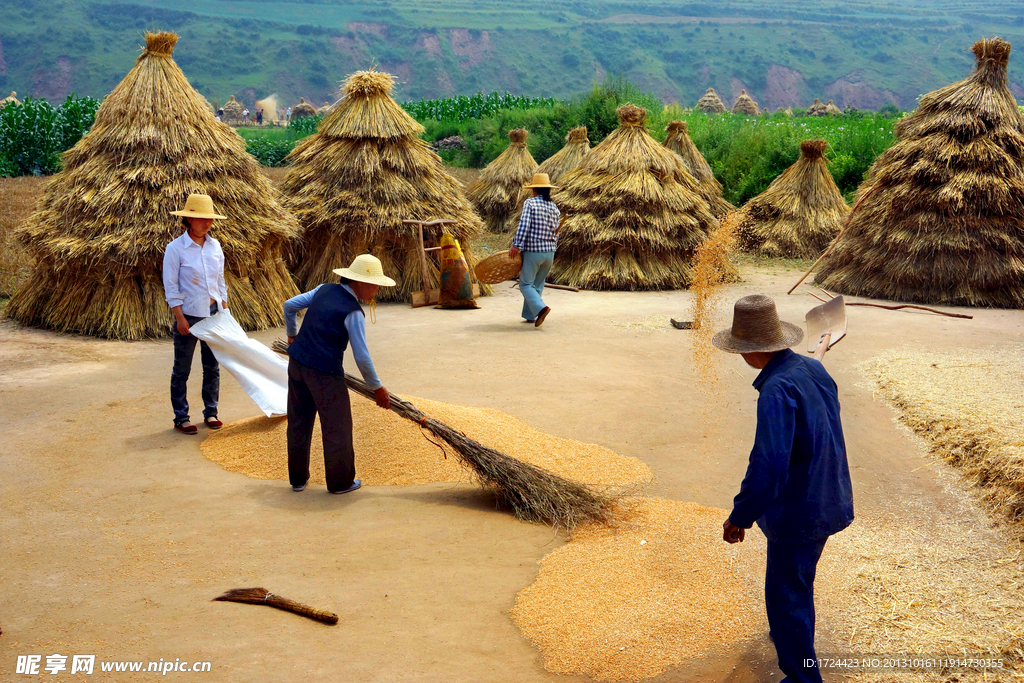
<point>829,318</point>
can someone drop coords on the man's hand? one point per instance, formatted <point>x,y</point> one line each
<point>183,328</point>
<point>383,398</point>
<point>291,338</point>
<point>732,533</point>
<point>513,252</point>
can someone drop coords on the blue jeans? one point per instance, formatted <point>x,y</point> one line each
<point>789,601</point>
<point>184,350</point>
<point>536,265</point>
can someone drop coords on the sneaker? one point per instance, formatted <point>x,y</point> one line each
<point>300,488</point>
<point>355,484</point>
<point>543,314</point>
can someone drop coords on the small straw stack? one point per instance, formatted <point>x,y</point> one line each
<point>324,110</point>
<point>817,109</point>
<point>678,140</point>
<point>799,214</point>
<point>233,111</point>
<point>577,146</point>
<point>100,230</point>
<point>353,182</point>
<point>10,99</point>
<point>710,103</point>
<point>832,110</point>
<point>498,195</point>
<point>634,214</point>
<point>303,109</point>
<point>941,214</point>
<point>745,105</point>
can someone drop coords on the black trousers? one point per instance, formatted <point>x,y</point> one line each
<point>184,351</point>
<point>311,392</point>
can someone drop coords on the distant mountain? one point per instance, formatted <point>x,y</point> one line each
<point>782,52</point>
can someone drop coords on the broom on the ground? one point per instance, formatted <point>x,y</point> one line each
<point>261,596</point>
<point>532,493</point>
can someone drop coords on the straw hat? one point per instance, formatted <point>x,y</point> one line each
<point>198,206</point>
<point>756,328</point>
<point>366,268</point>
<point>540,180</point>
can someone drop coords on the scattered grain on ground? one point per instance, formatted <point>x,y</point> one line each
<point>391,450</point>
<point>629,602</point>
<point>969,408</point>
<point>646,324</point>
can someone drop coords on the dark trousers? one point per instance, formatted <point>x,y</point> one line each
<point>310,392</point>
<point>789,599</point>
<point>184,351</point>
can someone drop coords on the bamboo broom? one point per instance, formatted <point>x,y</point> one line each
<point>261,596</point>
<point>532,493</point>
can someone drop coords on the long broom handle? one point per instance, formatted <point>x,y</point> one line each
<point>835,241</point>
<point>304,610</point>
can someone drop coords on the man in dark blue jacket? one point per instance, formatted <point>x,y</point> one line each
<point>797,487</point>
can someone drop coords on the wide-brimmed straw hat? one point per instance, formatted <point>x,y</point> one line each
<point>756,328</point>
<point>540,180</point>
<point>366,268</point>
<point>198,206</point>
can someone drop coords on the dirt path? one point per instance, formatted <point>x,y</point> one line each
<point>115,532</point>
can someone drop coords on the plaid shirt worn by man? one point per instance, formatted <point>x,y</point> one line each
<point>537,226</point>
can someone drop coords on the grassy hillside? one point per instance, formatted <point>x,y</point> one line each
<point>784,52</point>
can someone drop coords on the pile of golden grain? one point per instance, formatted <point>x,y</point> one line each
<point>391,450</point>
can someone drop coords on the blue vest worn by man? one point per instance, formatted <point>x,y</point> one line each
<point>323,338</point>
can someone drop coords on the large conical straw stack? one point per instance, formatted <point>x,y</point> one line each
<point>745,105</point>
<point>10,99</point>
<point>634,215</point>
<point>303,109</point>
<point>832,110</point>
<point>577,146</point>
<point>678,140</point>
<point>233,111</point>
<point>941,215</point>
<point>498,195</point>
<point>711,103</point>
<point>354,181</point>
<point>817,109</point>
<point>99,232</point>
<point>801,211</point>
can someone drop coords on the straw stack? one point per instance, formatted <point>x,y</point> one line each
<point>233,111</point>
<point>817,109</point>
<point>99,232</point>
<point>800,213</point>
<point>10,99</point>
<point>353,182</point>
<point>634,215</point>
<point>303,109</point>
<point>577,146</point>
<point>941,214</point>
<point>498,195</point>
<point>745,105</point>
<point>710,103</point>
<point>832,110</point>
<point>324,110</point>
<point>678,140</point>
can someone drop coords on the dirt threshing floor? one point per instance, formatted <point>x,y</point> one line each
<point>116,532</point>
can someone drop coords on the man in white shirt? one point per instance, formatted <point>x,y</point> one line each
<point>194,288</point>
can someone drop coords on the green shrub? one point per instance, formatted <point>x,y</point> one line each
<point>268,151</point>
<point>307,125</point>
<point>33,134</point>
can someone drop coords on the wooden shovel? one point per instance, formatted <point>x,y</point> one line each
<point>826,325</point>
